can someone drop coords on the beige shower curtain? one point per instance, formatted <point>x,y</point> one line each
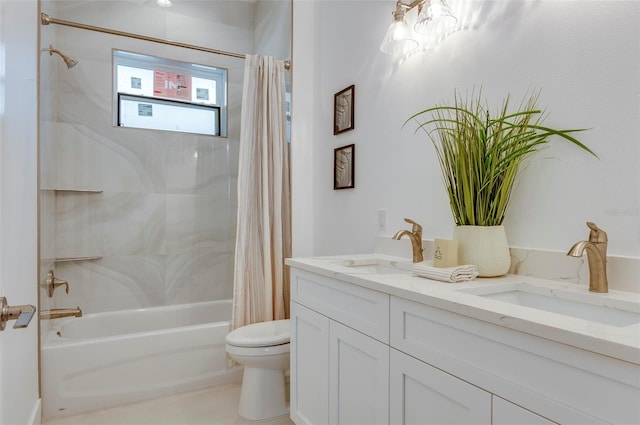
<point>263,235</point>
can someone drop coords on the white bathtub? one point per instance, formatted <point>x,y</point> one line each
<point>107,359</point>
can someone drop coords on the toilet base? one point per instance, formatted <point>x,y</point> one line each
<point>263,394</point>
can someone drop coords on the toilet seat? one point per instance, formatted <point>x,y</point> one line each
<point>263,334</point>
<point>271,350</point>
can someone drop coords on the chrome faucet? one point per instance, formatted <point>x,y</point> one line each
<point>596,248</point>
<point>57,313</point>
<point>415,236</point>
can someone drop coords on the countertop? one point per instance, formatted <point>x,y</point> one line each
<point>621,342</point>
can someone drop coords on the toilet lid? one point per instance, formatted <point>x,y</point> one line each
<point>262,334</point>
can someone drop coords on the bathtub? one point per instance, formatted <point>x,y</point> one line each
<point>107,359</point>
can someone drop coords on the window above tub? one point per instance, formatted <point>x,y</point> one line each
<point>163,94</point>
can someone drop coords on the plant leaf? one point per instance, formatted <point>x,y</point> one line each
<point>480,154</point>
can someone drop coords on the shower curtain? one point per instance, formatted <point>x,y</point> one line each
<point>263,233</point>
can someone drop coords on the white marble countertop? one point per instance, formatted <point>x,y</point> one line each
<point>621,342</point>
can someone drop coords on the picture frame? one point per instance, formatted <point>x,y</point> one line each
<point>344,167</point>
<point>343,110</point>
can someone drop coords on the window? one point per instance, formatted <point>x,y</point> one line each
<point>162,94</point>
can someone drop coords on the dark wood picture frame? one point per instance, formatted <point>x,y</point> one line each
<point>343,110</point>
<point>343,167</point>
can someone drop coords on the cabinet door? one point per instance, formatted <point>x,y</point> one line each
<point>507,413</point>
<point>309,366</point>
<point>358,378</point>
<point>422,394</point>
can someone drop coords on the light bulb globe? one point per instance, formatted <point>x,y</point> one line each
<point>398,39</point>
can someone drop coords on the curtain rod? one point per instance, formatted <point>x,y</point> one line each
<point>46,20</point>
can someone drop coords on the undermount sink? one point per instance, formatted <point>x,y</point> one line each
<point>569,302</point>
<point>375,268</point>
<point>375,265</point>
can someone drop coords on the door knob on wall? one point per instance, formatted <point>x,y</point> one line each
<point>53,283</point>
<point>22,314</point>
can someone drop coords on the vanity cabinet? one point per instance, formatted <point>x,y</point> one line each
<point>339,375</point>
<point>360,355</point>
<point>506,413</point>
<point>309,373</point>
<point>358,377</point>
<point>544,381</point>
<point>423,394</point>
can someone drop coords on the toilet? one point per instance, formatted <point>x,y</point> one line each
<point>263,350</point>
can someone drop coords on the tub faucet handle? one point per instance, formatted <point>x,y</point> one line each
<point>53,283</point>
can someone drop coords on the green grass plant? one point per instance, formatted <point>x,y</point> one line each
<point>480,153</point>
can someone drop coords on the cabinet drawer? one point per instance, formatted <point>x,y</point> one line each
<point>360,308</point>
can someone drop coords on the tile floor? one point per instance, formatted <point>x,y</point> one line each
<point>212,406</point>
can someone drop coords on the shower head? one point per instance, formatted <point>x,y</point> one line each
<point>67,60</point>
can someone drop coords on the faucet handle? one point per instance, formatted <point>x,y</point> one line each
<point>416,227</point>
<point>53,282</point>
<point>596,234</point>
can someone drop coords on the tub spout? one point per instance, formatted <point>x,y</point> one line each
<point>57,313</point>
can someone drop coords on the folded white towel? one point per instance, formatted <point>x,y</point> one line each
<point>449,274</point>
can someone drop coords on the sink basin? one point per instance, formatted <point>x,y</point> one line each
<point>582,305</point>
<point>375,268</point>
<point>375,265</point>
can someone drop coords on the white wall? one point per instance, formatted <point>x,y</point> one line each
<point>272,28</point>
<point>584,55</point>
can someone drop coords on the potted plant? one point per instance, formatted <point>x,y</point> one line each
<point>480,154</point>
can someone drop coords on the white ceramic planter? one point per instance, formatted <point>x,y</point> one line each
<point>484,246</point>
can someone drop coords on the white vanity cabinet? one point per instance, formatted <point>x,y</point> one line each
<point>309,373</point>
<point>358,377</point>
<point>506,413</point>
<point>339,370</point>
<point>423,394</point>
<point>367,353</point>
<point>544,381</point>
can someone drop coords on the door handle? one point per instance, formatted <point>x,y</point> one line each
<point>22,314</point>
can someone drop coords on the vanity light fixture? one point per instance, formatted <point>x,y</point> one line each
<point>433,10</point>
<point>399,38</point>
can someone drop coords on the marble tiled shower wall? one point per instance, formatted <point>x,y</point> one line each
<point>165,228</point>
<point>157,208</point>
<point>162,219</point>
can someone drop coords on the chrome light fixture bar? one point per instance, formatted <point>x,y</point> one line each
<point>399,39</point>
